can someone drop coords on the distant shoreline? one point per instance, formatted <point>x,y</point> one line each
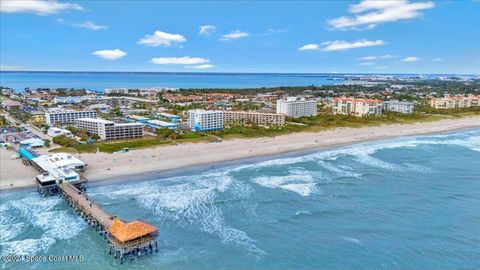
<point>237,73</point>
<point>168,161</point>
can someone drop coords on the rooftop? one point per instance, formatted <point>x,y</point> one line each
<point>124,231</point>
<point>10,102</point>
<point>161,123</point>
<point>96,120</point>
<point>357,99</point>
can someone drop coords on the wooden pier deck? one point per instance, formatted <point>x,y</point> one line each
<point>88,207</point>
<point>125,239</point>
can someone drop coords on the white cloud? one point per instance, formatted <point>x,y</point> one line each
<point>39,7</point>
<point>367,64</point>
<point>309,47</point>
<point>160,38</point>
<point>205,66</point>
<point>90,25</point>
<point>373,58</point>
<point>370,13</point>
<point>110,54</point>
<point>437,59</point>
<point>410,59</point>
<point>235,35</point>
<point>368,58</point>
<point>341,45</point>
<point>206,30</point>
<point>186,60</point>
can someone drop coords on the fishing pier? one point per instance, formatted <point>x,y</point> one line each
<point>126,240</point>
<point>61,174</point>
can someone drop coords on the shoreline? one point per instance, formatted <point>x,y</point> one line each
<point>107,169</point>
<point>203,167</point>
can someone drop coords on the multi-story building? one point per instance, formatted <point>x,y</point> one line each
<point>254,118</point>
<point>357,107</point>
<point>67,117</point>
<point>398,106</point>
<point>453,102</point>
<point>108,130</point>
<point>203,120</point>
<point>297,107</point>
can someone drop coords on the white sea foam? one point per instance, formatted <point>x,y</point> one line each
<point>340,170</point>
<point>416,168</point>
<point>300,182</point>
<point>298,213</point>
<point>352,240</point>
<point>192,201</point>
<point>40,213</point>
<point>59,224</point>
<point>469,140</point>
<point>27,246</point>
<point>376,162</point>
<point>34,205</point>
<point>8,232</point>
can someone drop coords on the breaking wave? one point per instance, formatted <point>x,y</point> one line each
<point>27,246</point>
<point>362,152</point>
<point>298,181</point>
<point>195,201</point>
<point>33,210</point>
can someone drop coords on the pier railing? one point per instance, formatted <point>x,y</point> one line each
<point>125,239</point>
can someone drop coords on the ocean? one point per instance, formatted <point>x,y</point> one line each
<point>405,203</point>
<point>99,81</point>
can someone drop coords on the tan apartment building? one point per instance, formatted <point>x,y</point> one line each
<point>453,102</point>
<point>357,107</point>
<point>254,118</point>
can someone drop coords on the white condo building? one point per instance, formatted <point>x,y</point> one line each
<point>398,106</point>
<point>203,120</point>
<point>297,107</point>
<point>108,130</point>
<point>67,117</point>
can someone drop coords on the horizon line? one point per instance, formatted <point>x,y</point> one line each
<point>218,72</point>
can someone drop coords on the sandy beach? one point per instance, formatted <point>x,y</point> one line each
<point>102,166</point>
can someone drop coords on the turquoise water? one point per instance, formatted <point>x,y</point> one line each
<point>407,203</point>
<point>100,81</point>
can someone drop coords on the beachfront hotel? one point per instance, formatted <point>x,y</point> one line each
<point>254,118</point>
<point>357,107</point>
<point>62,117</point>
<point>108,130</point>
<point>397,106</point>
<point>297,107</point>
<point>453,102</point>
<point>203,120</point>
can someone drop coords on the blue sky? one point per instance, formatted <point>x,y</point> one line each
<point>324,36</point>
